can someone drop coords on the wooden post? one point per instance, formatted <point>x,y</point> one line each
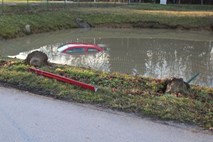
<point>179,1</point>
<point>2,6</point>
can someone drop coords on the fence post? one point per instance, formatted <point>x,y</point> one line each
<point>179,1</point>
<point>90,3</point>
<point>47,4</point>
<point>27,5</point>
<point>2,6</point>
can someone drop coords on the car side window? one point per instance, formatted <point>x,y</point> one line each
<point>92,50</point>
<point>75,51</point>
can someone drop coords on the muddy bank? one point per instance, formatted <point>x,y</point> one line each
<point>155,25</point>
<point>138,25</point>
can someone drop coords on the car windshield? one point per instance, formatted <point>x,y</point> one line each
<point>62,47</point>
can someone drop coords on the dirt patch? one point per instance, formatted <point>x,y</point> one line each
<point>114,25</point>
<point>2,63</point>
<point>150,24</point>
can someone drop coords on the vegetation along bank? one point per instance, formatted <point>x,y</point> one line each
<point>129,16</point>
<point>136,94</point>
<point>143,96</point>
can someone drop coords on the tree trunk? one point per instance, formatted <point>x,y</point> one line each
<point>201,2</point>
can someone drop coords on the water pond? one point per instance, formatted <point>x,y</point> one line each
<point>148,52</point>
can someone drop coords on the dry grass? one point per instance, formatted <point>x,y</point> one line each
<point>157,12</point>
<point>176,13</point>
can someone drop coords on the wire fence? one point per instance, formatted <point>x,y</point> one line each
<point>23,6</point>
<point>33,6</point>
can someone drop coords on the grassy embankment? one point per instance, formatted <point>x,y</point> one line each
<point>136,16</point>
<point>143,96</point>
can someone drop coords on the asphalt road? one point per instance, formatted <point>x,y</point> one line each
<point>25,117</point>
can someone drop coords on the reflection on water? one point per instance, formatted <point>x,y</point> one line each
<point>98,61</point>
<point>159,58</point>
<point>149,53</point>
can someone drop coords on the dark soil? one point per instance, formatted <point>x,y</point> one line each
<point>155,25</point>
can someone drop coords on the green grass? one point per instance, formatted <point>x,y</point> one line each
<point>13,25</point>
<point>143,96</point>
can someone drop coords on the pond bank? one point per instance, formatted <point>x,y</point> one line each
<point>16,25</point>
<point>155,25</point>
<point>136,94</point>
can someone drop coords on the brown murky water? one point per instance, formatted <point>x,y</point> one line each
<point>153,53</point>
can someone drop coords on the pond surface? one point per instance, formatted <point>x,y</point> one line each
<point>147,52</point>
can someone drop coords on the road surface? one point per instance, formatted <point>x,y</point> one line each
<point>25,117</point>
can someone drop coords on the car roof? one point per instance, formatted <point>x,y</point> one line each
<point>68,45</point>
